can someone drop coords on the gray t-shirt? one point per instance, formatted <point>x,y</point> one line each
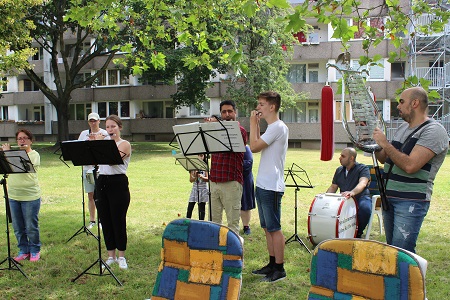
<point>417,186</point>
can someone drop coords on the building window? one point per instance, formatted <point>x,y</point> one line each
<point>3,84</point>
<point>297,73</point>
<point>398,71</point>
<point>113,77</point>
<point>4,113</point>
<point>120,108</point>
<point>38,113</point>
<point>305,112</point>
<point>372,22</point>
<point>80,77</point>
<point>376,72</point>
<point>28,86</point>
<point>39,55</point>
<point>79,111</point>
<point>204,110</point>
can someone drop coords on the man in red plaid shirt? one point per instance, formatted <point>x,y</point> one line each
<point>226,177</point>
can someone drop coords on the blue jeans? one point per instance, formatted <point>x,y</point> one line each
<point>25,219</point>
<point>269,209</point>
<point>364,212</point>
<point>402,222</point>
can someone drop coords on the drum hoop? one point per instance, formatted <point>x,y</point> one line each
<point>310,237</point>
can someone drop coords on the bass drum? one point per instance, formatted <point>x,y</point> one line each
<point>332,216</point>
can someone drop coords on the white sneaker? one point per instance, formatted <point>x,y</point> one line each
<point>91,224</point>
<point>109,262</point>
<point>122,263</point>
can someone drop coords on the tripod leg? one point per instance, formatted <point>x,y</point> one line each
<point>99,261</point>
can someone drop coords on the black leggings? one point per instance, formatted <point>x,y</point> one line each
<point>201,210</point>
<point>112,201</point>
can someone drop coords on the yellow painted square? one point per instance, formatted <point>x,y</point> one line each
<point>190,291</point>
<point>375,258</point>
<point>206,259</point>
<point>366,285</point>
<point>205,276</point>
<point>176,252</point>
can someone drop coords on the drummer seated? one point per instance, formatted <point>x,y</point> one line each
<point>352,180</point>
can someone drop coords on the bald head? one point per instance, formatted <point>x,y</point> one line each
<point>348,157</point>
<point>420,94</point>
<point>351,152</point>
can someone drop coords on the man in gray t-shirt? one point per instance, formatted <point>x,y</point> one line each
<point>413,158</point>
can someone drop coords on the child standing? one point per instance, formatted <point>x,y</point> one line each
<point>199,192</point>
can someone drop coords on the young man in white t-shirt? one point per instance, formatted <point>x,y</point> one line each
<point>89,186</point>
<point>270,185</point>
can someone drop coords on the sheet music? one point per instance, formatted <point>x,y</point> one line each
<point>216,137</point>
<point>191,162</point>
<point>18,161</point>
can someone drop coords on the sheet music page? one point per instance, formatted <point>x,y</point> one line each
<point>19,161</point>
<point>191,162</point>
<point>189,139</point>
<point>216,137</point>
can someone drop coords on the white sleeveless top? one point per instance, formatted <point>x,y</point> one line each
<point>115,169</point>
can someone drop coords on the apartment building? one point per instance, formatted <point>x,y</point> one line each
<point>148,114</point>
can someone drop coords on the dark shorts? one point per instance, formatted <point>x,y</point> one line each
<point>269,209</point>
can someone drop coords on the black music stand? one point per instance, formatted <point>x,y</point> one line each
<point>83,228</point>
<point>207,138</point>
<point>12,162</point>
<point>102,152</point>
<point>298,178</point>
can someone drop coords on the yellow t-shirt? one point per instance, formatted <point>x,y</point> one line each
<point>25,186</point>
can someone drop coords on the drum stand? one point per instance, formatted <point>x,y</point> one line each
<point>295,237</point>
<point>292,175</point>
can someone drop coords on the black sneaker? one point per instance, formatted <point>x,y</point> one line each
<point>264,271</point>
<point>275,276</point>
<point>247,231</point>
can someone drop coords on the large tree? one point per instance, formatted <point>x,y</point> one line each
<point>111,26</point>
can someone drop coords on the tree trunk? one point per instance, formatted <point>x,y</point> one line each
<point>62,111</point>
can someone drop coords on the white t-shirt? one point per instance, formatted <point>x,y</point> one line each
<point>84,136</point>
<point>271,167</point>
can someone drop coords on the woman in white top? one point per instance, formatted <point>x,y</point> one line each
<point>113,196</point>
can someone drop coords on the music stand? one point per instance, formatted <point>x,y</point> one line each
<point>101,152</point>
<point>83,228</point>
<point>207,138</point>
<point>298,178</point>
<point>12,162</point>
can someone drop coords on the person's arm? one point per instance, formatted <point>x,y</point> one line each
<point>333,188</point>
<point>203,176</point>
<point>256,143</point>
<point>192,176</point>
<point>125,149</point>
<point>411,163</point>
<point>362,184</point>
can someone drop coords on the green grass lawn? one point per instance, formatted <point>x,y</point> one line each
<point>159,193</point>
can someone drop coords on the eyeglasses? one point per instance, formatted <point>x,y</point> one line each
<point>23,138</point>
<point>93,121</point>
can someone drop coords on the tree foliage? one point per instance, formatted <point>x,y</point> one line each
<point>267,47</point>
<point>399,24</point>
<point>14,34</point>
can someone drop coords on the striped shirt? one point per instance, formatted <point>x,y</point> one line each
<point>417,186</point>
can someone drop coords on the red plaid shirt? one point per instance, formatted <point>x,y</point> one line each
<point>228,166</point>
